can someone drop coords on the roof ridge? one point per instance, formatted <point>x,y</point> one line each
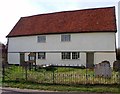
<point>86,20</point>
<point>67,11</point>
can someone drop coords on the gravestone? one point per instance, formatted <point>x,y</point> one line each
<point>103,69</point>
<point>116,65</point>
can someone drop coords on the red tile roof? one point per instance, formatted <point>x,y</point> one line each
<point>87,20</point>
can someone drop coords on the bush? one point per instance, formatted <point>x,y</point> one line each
<point>82,67</point>
<point>50,68</point>
<point>46,68</point>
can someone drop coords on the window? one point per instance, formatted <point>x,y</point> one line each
<point>75,55</point>
<point>41,39</point>
<point>41,55</point>
<point>32,56</point>
<point>66,55</point>
<point>65,38</point>
<point>70,55</point>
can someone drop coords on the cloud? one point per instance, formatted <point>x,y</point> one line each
<point>12,10</point>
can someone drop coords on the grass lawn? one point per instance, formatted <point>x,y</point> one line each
<point>59,79</point>
<point>58,76</point>
<point>53,87</point>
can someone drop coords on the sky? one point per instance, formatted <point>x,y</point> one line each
<point>12,10</point>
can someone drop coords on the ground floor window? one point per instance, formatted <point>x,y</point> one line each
<point>66,55</point>
<point>32,56</point>
<point>41,55</point>
<point>70,55</point>
<point>75,55</point>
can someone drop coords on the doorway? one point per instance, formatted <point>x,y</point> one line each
<point>89,59</point>
<point>22,58</point>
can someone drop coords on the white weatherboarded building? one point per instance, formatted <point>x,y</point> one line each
<point>83,37</point>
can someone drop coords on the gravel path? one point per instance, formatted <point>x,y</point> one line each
<point>29,91</point>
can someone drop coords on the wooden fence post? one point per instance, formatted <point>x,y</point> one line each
<point>53,74</point>
<point>26,71</point>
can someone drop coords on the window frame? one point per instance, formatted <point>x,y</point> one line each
<point>41,39</point>
<point>66,55</point>
<point>70,55</point>
<point>75,55</point>
<point>32,57</point>
<point>42,56</point>
<point>65,38</point>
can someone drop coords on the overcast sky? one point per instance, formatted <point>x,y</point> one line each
<point>12,10</point>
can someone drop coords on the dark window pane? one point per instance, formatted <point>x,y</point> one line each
<point>41,55</point>
<point>66,55</point>
<point>65,38</point>
<point>75,55</point>
<point>41,39</point>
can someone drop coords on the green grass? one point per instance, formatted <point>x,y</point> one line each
<point>58,76</point>
<point>59,79</point>
<point>52,87</point>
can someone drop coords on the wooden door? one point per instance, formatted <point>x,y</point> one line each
<point>90,59</point>
<point>22,58</point>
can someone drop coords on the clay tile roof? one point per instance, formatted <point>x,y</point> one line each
<point>87,20</point>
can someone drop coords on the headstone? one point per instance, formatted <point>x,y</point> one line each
<point>116,65</point>
<point>103,69</point>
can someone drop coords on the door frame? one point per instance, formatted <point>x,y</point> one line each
<point>22,58</point>
<point>89,59</point>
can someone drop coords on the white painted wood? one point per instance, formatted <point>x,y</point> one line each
<point>82,42</point>
<point>79,42</point>
<point>13,58</point>
<point>55,58</point>
<point>26,56</point>
<point>99,57</point>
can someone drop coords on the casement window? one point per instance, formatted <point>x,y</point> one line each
<point>65,38</point>
<point>66,55</point>
<point>70,55</point>
<point>41,55</point>
<point>41,39</point>
<point>32,56</point>
<point>75,55</point>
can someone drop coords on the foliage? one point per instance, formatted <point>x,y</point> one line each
<point>59,79</point>
<point>57,75</point>
<point>53,87</point>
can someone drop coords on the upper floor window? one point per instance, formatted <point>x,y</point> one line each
<point>65,38</point>
<point>41,39</point>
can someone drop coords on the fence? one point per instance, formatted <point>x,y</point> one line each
<point>69,75</point>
